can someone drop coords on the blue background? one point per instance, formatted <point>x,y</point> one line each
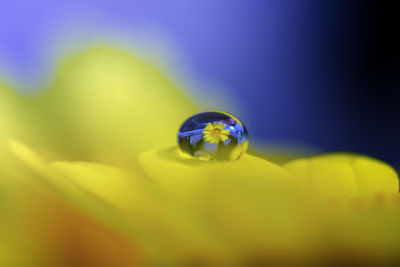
<point>320,73</point>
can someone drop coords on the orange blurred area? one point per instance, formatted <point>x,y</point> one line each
<point>54,234</point>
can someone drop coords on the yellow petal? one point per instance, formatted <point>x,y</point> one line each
<point>17,120</point>
<point>175,171</point>
<point>345,175</point>
<point>253,195</point>
<point>209,127</point>
<point>224,138</point>
<point>105,182</point>
<point>220,125</point>
<point>128,202</point>
<point>98,189</point>
<point>225,132</point>
<point>208,137</point>
<point>206,132</point>
<point>213,140</point>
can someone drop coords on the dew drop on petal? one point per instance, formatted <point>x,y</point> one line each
<point>213,135</point>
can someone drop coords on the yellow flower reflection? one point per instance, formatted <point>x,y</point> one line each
<point>215,133</point>
<point>90,142</point>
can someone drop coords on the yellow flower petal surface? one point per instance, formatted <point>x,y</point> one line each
<point>177,171</point>
<point>86,181</point>
<point>347,175</point>
<point>107,107</point>
<point>223,138</point>
<point>225,132</point>
<point>217,213</point>
<point>220,125</point>
<point>104,182</point>
<point>128,202</point>
<point>209,127</point>
<point>249,194</point>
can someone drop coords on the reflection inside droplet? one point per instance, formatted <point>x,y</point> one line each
<point>213,135</point>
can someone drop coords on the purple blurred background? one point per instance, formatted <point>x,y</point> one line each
<point>320,73</point>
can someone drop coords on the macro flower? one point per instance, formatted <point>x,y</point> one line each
<point>90,141</point>
<point>215,133</point>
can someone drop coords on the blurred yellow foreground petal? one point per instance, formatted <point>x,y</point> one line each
<point>247,204</point>
<point>95,188</point>
<point>131,204</point>
<point>16,121</point>
<point>346,175</point>
<point>95,138</point>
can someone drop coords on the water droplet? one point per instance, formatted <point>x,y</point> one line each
<point>213,135</point>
